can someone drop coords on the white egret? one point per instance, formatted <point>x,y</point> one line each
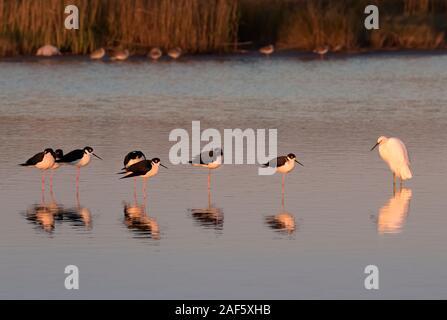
<point>394,153</point>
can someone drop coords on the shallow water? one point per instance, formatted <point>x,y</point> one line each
<point>340,214</point>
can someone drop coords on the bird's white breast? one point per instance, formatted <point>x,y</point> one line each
<point>152,172</point>
<point>287,167</point>
<point>83,161</point>
<point>46,163</point>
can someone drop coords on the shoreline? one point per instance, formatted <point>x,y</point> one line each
<point>304,55</point>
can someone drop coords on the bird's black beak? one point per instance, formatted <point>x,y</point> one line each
<point>299,163</point>
<point>163,166</point>
<point>97,156</point>
<point>374,146</point>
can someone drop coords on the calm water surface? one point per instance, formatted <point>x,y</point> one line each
<point>340,212</point>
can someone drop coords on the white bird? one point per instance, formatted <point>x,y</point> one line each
<point>394,153</point>
<point>48,51</point>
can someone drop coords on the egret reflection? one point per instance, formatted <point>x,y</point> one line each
<point>393,214</point>
<point>137,220</point>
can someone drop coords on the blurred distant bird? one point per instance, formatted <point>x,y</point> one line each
<point>175,53</point>
<point>209,159</point>
<point>120,55</point>
<point>155,53</point>
<point>48,51</point>
<point>43,160</point>
<point>98,54</point>
<point>394,153</point>
<point>321,50</point>
<point>267,50</point>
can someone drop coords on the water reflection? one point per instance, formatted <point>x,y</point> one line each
<point>282,222</point>
<point>137,220</point>
<point>46,215</point>
<point>393,214</point>
<point>209,217</point>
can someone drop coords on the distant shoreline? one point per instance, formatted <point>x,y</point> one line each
<point>303,55</point>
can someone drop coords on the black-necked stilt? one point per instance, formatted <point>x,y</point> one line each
<point>209,159</point>
<point>98,54</point>
<point>78,158</point>
<point>267,50</point>
<point>130,159</point>
<point>119,55</point>
<point>43,160</point>
<point>48,51</point>
<point>155,53</point>
<point>144,169</point>
<point>283,164</point>
<point>175,53</point>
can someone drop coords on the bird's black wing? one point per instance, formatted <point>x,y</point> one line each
<point>72,156</point>
<point>34,160</point>
<point>275,163</point>
<point>138,169</point>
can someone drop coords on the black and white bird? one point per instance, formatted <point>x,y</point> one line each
<point>144,169</point>
<point>132,158</point>
<point>43,160</point>
<point>78,158</point>
<point>211,159</point>
<point>283,164</point>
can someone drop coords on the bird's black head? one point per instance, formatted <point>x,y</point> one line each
<point>88,149</point>
<point>59,153</point>
<point>48,150</point>
<point>156,160</point>
<point>291,156</point>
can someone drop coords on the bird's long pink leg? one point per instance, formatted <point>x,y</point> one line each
<point>144,190</point>
<point>51,184</point>
<point>209,198</point>
<point>43,187</point>
<point>209,179</point>
<point>282,190</point>
<point>78,173</point>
